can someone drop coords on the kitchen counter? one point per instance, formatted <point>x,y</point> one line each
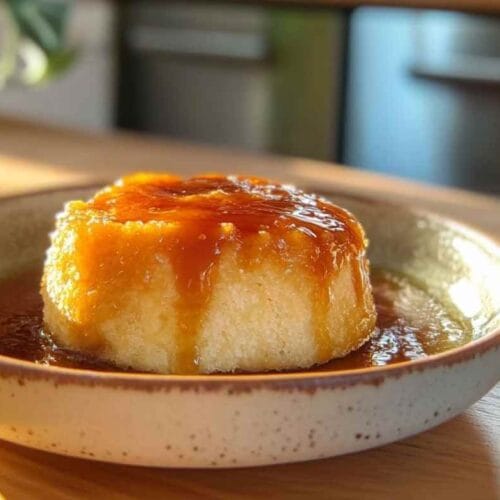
<point>457,460</point>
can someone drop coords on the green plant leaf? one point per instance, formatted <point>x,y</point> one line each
<point>59,63</point>
<point>40,67</point>
<point>9,40</point>
<point>40,26</point>
<point>42,21</point>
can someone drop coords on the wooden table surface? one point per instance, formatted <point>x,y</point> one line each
<point>457,460</point>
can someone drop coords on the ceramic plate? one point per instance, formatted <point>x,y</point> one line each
<point>243,420</point>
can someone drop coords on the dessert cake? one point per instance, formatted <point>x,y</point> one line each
<point>208,274</point>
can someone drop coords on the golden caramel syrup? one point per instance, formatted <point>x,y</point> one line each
<point>410,325</point>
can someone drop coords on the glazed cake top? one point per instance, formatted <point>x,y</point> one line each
<point>243,204</point>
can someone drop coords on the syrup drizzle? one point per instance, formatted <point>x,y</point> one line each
<point>209,212</point>
<point>410,325</point>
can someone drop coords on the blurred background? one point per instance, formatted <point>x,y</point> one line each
<point>412,93</point>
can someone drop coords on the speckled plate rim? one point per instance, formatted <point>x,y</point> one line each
<point>305,380</point>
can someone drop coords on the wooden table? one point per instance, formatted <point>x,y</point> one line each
<point>457,460</point>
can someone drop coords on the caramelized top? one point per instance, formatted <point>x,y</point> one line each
<point>249,204</point>
<point>263,219</point>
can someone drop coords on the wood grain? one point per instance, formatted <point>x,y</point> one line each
<point>457,460</point>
